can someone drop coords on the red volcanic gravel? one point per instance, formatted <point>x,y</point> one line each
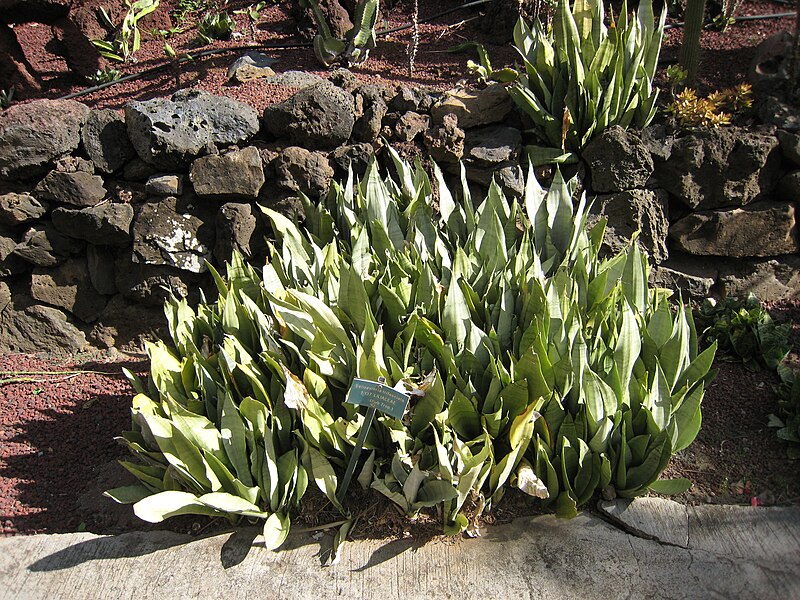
<point>57,445</point>
<point>724,58</point>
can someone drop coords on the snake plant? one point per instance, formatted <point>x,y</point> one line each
<point>582,76</point>
<point>354,49</point>
<point>529,361</point>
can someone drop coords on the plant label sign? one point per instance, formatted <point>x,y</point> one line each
<point>378,396</point>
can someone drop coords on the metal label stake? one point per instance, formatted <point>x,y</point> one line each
<point>378,397</point>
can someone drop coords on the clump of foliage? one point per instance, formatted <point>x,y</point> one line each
<point>691,110</point>
<point>725,14</point>
<point>215,26</point>
<point>582,77</point>
<point>105,75</point>
<point>530,361</point>
<point>166,34</point>
<point>253,12</point>
<point>735,99</point>
<point>744,331</point>
<point>183,8</point>
<point>354,49</point>
<point>788,423</point>
<point>676,78</point>
<point>483,70</point>
<point>128,39</point>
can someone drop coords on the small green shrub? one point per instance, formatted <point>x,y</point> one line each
<point>183,8</point>
<point>676,78</point>
<point>165,34</point>
<point>253,12</point>
<point>726,14</point>
<point>582,77</point>
<point>744,331</point>
<point>529,361</point>
<point>106,75</point>
<point>483,70</point>
<point>215,26</point>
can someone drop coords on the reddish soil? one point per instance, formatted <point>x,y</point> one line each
<point>388,63</point>
<point>59,417</point>
<point>725,55</point>
<point>736,458</point>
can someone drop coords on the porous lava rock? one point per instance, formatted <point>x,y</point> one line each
<point>229,176</point>
<point>720,167</point>
<point>301,170</point>
<point>646,211</point>
<point>17,209</point>
<point>239,229</point>
<point>170,133</point>
<point>44,246</point>
<point>107,224</point>
<point>317,117</point>
<point>34,135</point>
<point>78,188</point>
<point>68,286</point>
<point>105,139</point>
<point>165,233</point>
<point>474,108</point>
<point>618,160</point>
<point>759,230</point>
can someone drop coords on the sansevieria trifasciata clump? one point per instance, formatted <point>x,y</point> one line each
<point>530,361</point>
<point>582,76</point>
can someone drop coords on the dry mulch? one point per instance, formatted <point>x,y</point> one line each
<point>58,419</point>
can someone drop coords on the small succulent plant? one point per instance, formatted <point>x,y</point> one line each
<point>691,110</point>
<point>105,75</point>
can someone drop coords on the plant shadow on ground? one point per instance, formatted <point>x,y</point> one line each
<point>238,545</point>
<point>242,539</point>
<point>61,453</point>
<point>109,547</point>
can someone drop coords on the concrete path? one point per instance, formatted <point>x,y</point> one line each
<point>711,552</point>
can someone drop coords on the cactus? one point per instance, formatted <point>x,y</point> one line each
<point>690,48</point>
